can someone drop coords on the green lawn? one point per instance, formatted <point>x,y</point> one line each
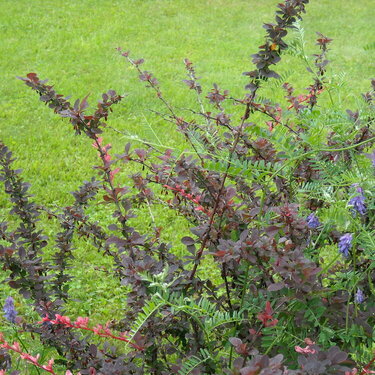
<point>73,44</point>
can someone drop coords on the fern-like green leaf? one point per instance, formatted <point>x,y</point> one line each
<point>148,310</point>
<point>220,318</point>
<point>193,362</point>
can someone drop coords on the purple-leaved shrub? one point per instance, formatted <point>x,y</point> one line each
<point>240,186</point>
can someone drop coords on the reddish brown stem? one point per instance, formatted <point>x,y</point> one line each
<point>205,240</point>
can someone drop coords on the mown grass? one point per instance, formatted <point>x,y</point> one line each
<point>73,44</point>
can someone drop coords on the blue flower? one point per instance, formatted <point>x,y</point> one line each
<point>10,312</point>
<point>312,221</point>
<point>359,296</point>
<point>345,244</point>
<point>358,202</point>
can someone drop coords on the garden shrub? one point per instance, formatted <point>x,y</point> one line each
<point>281,197</point>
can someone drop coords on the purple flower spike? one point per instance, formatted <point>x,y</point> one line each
<point>10,312</point>
<point>312,221</point>
<point>359,296</point>
<point>345,244</point>
<point>358,202</point>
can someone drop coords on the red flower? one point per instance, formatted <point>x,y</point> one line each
<point>81,322</point>
<point>306,350</point>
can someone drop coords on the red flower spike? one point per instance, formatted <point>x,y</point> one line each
<point>82,323</point>
<point>26,356</point>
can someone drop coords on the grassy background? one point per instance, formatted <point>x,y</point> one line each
<point>72,43</point>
